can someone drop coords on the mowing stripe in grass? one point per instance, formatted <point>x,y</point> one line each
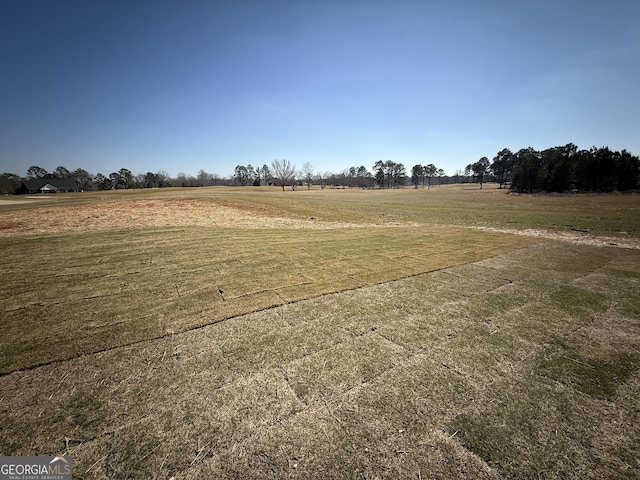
<point>125,287</point>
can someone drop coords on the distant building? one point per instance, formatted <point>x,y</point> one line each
<point>48,185</point>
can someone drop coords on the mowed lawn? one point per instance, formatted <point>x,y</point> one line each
<point>322,334</point>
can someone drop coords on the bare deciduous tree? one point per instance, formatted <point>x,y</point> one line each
<point>284,171</point>
<point>307,173</point>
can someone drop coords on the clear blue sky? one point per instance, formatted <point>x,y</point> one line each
<point>181,86</point>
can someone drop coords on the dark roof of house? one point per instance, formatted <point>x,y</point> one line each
<point>59,183</point>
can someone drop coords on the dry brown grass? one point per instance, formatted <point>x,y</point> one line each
<point>520,362</point>
<point>145,214</point>
<point>90,269</point>
<point>388,381</point>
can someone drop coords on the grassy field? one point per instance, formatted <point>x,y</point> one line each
<point>253,333</point>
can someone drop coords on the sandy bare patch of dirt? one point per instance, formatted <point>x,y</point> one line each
<point>579,239</point>
<point>7,201</point>
<point>146,214</point>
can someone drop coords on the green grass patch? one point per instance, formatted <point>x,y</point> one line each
<point>517,433</point>
<point>631,307</point>
<point>578,302</point>
<point>593,376</point>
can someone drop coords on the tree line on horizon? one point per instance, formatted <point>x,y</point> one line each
<point>386,174</point>
<point>560,169</point>
<point>282,173</point>
<point>557,169</point>
<point>121,179</point>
